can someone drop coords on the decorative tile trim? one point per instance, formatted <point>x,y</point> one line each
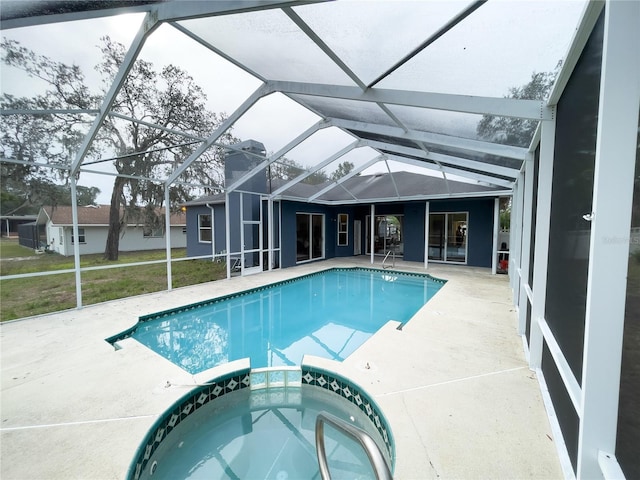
<point>333,382</point>
<point>184,407</point>
<point>186,308</point>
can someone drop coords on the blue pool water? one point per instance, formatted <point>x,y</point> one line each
<point>328,314</point>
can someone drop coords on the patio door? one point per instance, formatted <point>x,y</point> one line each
<point>250,233</point>
<point>448,237</point>
<point>388,235</point>
<point>309,236</point>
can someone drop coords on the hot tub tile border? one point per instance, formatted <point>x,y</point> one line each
<point>183,407</point>
<point>354,394</point>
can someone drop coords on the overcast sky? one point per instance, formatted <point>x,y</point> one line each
<point>471,59</point>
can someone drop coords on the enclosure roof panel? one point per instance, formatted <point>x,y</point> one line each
<point>410,80</point>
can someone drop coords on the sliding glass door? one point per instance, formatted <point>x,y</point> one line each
<point>387,235</point>
<point>448,237</point>
<point>309,236</point>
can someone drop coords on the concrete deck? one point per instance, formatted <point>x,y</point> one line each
<point>453,384</point>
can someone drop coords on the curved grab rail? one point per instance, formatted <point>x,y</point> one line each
<point>379,464</point>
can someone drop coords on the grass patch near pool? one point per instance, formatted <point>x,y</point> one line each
<point>25,297</point>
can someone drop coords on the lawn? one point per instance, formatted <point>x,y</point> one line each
<point>25,297</point>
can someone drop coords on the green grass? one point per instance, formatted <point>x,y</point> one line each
<point>25,297</point>
<point>12,249</point>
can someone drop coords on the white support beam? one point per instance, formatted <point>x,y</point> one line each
<point>167,235</point>
<point>504,107</point>
<point>525,229</point>
<point>224,126</point>
<point>295,18</point>
<point>176,10</point>
<point>76,236</point>
<point>474,146</point>
<point>393,180</point>
<point>317,167</point>
<point>372,230</point>
<point>484,179</point>
<point>614,174</point>
<point>148,26</point>
<point>217,51</point>
<point>155,125</point>
<point>432,38</point>
<point>426,235</point>
<point>440,158</point>
<point>496,230</point>
<point>407,198</point>
<point>343,179</point>
<point>515,238</point>
<point>541,253</point>
<point>289,146</point>
<point>227,233</point>
<point>590,14</point>
<point>15,20</point>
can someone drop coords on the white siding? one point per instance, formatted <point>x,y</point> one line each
<point>96,239</point>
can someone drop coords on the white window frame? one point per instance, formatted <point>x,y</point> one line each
<point>446,237</point>
<point>202,228</point>
<point>344,232</point>
<point>81,236</point>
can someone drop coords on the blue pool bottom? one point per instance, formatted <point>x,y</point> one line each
<point>326,314</point>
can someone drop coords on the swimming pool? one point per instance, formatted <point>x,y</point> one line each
<point>327,314</point>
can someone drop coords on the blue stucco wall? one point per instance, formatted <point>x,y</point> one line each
<point>196,248</point>
<point>480,226</point>
<point>289,210</point>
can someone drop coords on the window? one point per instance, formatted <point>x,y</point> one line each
<point>343,229</point>
<point>309,236</point>
<point>152,232</point>
<point>81,236</point>
<point>204,228</point>
<point>448,237</point>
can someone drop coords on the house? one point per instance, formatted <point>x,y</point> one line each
<point>458,218</point>
<point>55,224</point>
<point>10,224</point>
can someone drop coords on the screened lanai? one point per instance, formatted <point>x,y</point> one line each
<point>333,89</point>
<point>394,87</point>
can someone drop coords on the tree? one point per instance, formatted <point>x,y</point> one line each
<point>343,169</point>
<point>287,169</point>
<point>517,131</point>
<point>40,141</point>
<point>168,97</point>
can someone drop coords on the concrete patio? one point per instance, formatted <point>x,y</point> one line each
<point>453,384</point>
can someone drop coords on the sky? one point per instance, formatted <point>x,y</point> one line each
<point>470,59</point>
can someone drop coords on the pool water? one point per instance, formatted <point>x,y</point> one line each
<point>263,434</point>
<point>328,314</point>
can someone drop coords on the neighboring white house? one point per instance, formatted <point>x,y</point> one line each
<point>93,225</point>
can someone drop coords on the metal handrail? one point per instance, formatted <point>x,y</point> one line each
<point>393,256</point>
<point>379,464</point>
